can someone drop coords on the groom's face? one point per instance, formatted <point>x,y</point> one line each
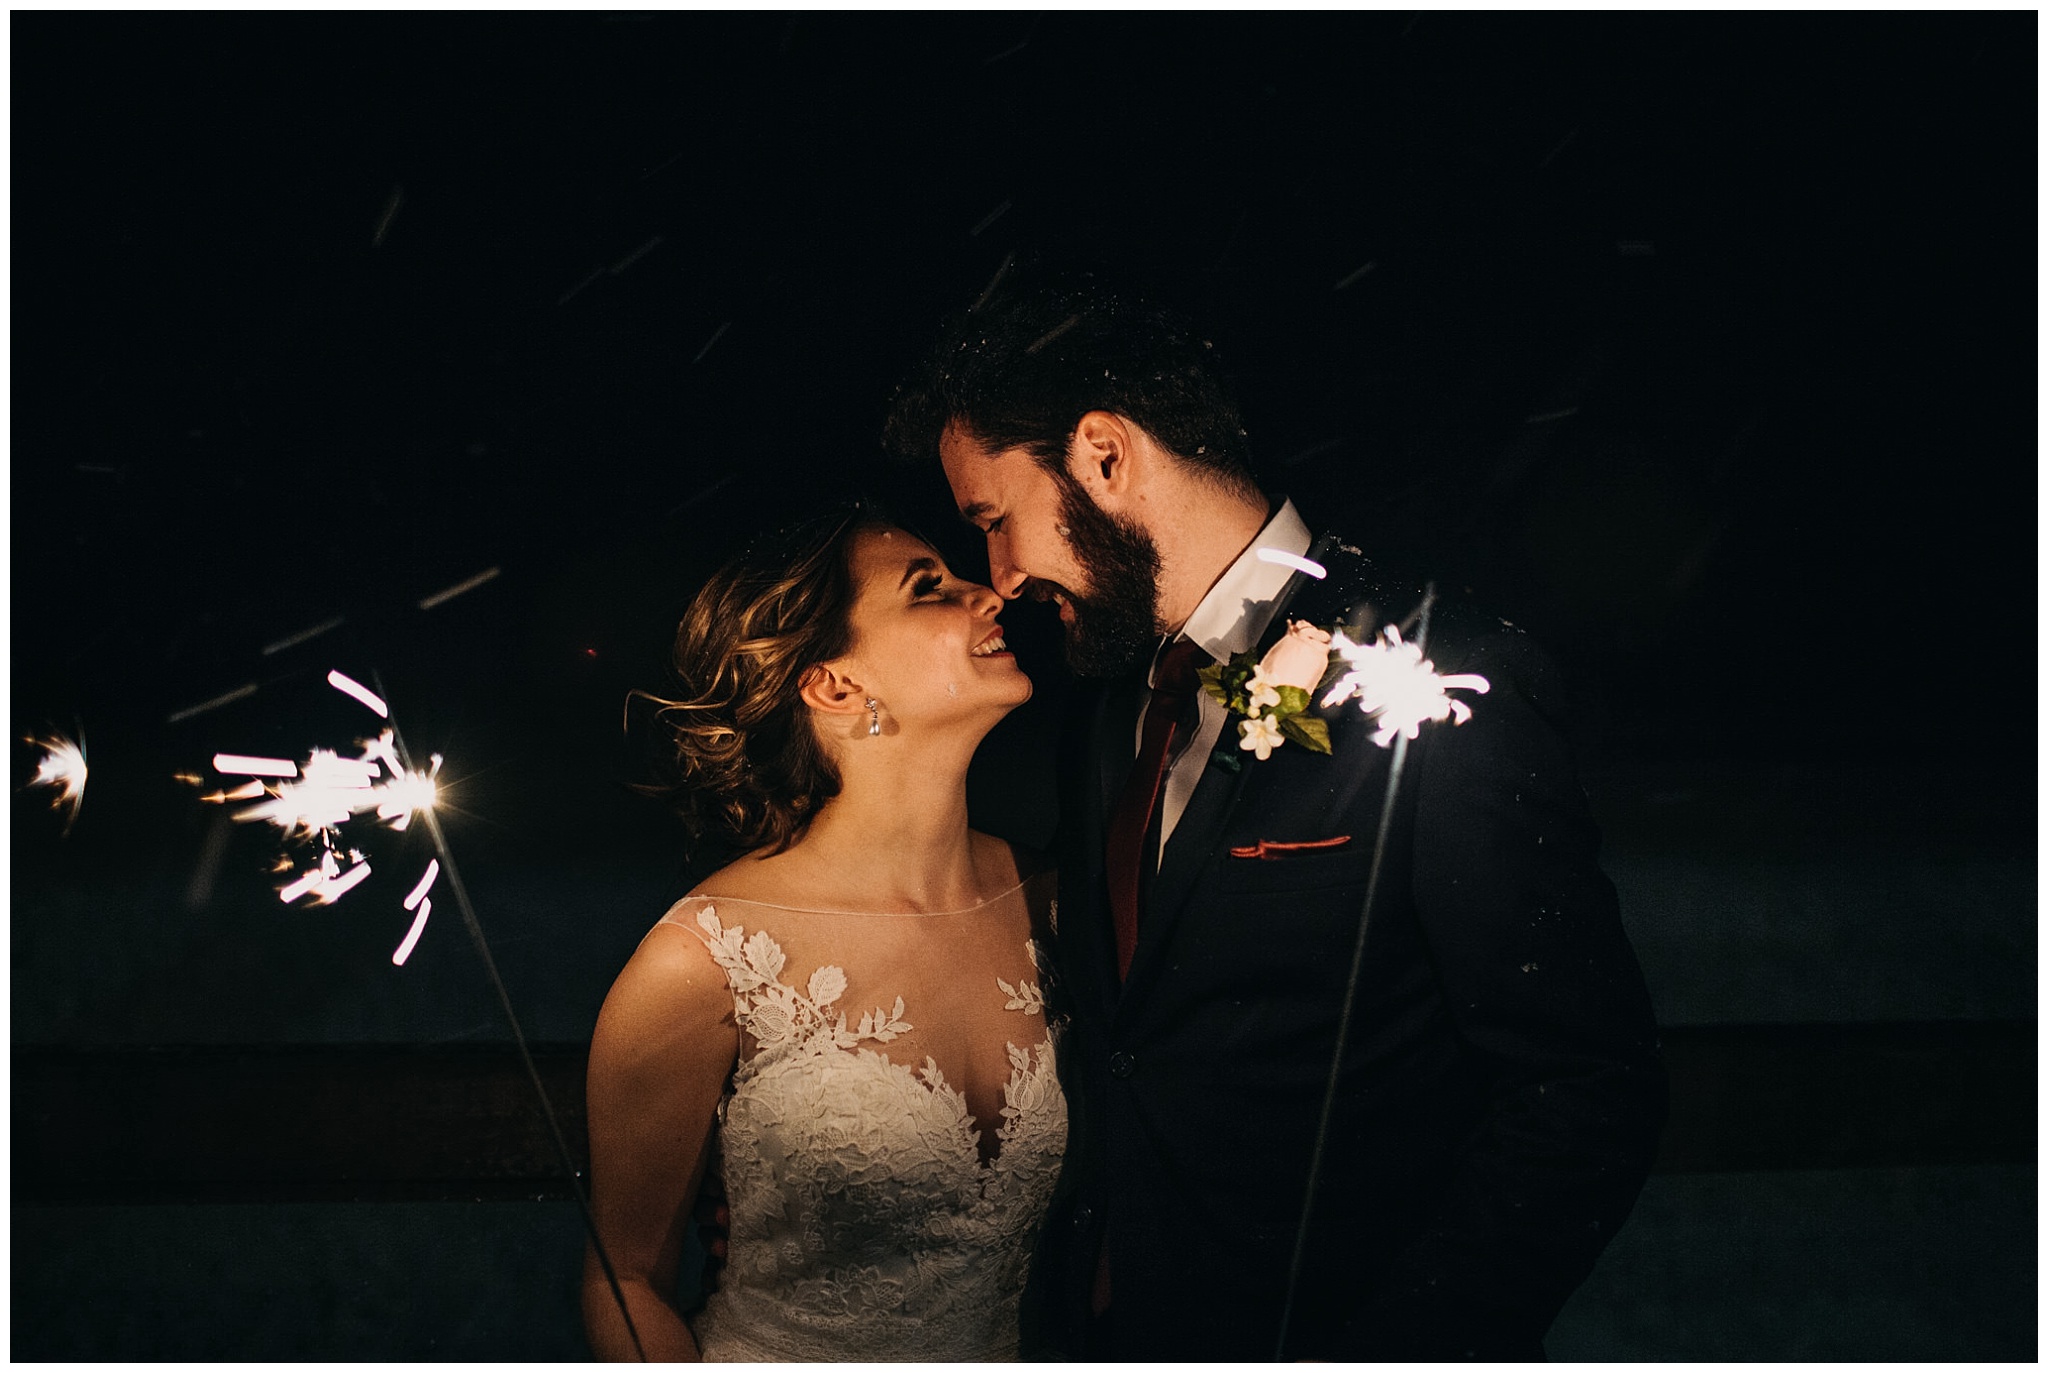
<point>1048,539</point>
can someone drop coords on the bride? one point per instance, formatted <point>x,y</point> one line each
<point>846,1025</point>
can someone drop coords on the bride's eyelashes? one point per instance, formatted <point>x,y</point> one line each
<point>927,585</point>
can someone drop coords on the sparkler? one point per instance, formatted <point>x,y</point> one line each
<point>63,769</point>
<point>321,796</point>
<point>1393,682</point>
<point>318,798</point>
<point>1390,679</point>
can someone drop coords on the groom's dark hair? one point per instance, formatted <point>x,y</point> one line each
<point>1042,347</point>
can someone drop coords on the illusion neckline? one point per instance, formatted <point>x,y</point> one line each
<point>985,902</point>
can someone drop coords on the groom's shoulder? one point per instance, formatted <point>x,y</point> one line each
<point>1459,629</point>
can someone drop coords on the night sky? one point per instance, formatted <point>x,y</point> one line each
<point>1700,345</point>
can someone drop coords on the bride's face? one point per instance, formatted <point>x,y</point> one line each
<point>927,644</point>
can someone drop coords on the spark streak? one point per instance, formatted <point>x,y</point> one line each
<point>293,640</point>
<point>327,881</point>
<point>349,686</point>
<point>247,689</point>
<point>391,208</point>
<point>570,294</point>
<point>425,904</point>
<point>412,936</point>
<point>248,791</point>
<point>459,588</point>
<point>419,893</point>
<point>1049,335</point>
<point>717,334</point>
<point>1293,560</point>
<point>993,282</point>
<point>242,765</point>
<point>630,258</point>
<point>991,217</point>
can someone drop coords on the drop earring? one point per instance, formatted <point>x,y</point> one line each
<point>874,717</point>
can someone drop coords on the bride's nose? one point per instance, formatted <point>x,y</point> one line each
<point>986,602</point>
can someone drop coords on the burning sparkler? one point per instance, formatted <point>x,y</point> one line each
<point>1394,683</point>
<point>316,799</point>
<point>327,792</point>
<point>63,769</point>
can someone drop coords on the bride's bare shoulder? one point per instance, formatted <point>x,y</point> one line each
<point>750,877</point>
<point>671,992</point>
<point>1007,862</point>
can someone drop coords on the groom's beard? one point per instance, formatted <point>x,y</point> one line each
<point>1116,625</point>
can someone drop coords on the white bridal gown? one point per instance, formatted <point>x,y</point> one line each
<point>874,1216</point>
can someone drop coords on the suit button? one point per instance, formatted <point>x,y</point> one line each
<point>1082,1215</point>
<point>1121,1063</point>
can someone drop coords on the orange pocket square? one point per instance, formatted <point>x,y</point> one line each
<point>1284,848</point>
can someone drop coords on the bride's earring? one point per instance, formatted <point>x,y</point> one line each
<point>874,717</point>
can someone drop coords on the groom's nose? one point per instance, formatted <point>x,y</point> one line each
<point>1003,575</point>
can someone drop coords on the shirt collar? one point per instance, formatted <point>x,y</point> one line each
<point>1240,604</point>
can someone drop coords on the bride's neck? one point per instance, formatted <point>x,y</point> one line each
<point>897,835</point>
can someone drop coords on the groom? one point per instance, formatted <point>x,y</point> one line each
<point>1500,1094</point>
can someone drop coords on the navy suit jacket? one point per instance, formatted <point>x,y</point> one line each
<point>1501,1094</point>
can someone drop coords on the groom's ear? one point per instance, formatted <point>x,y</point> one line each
<point>831,690</point>
<point>1100,458</point>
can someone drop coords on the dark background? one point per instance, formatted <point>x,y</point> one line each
<point>1700,345</point>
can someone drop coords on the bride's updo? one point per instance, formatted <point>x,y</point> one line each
<point>744,762</point>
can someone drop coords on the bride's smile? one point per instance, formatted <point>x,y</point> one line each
<point>927,646</point>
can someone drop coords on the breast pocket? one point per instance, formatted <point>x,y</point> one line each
<point>1286,864</point>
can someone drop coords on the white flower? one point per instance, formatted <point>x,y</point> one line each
<point>1260,692</point>
<point>1261,736</point>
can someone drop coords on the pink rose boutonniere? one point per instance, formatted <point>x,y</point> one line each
<point>1273,694</point>
<point>1388,677</point>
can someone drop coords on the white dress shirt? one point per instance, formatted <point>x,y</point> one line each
<point>1229,620</point>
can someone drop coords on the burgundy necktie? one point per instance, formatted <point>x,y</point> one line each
<point>1173,682</point>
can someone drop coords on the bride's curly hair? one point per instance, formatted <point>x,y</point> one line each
<point>739,757</point>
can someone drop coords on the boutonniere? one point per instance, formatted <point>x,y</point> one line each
<point>1273,692</point>
<point>1389,678</point>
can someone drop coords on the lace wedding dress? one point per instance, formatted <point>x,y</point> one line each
<point>883,1207</point>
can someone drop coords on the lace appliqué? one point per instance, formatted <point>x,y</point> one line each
<point>775,1014</point>
<point>865,1224</point>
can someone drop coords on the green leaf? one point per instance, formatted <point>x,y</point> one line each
<point>1308,731</point>
<point>1212,682</point>
<point>1293,700</point>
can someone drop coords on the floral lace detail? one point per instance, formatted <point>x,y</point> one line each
<point>865,1224</point>
<point>774,1014</point>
